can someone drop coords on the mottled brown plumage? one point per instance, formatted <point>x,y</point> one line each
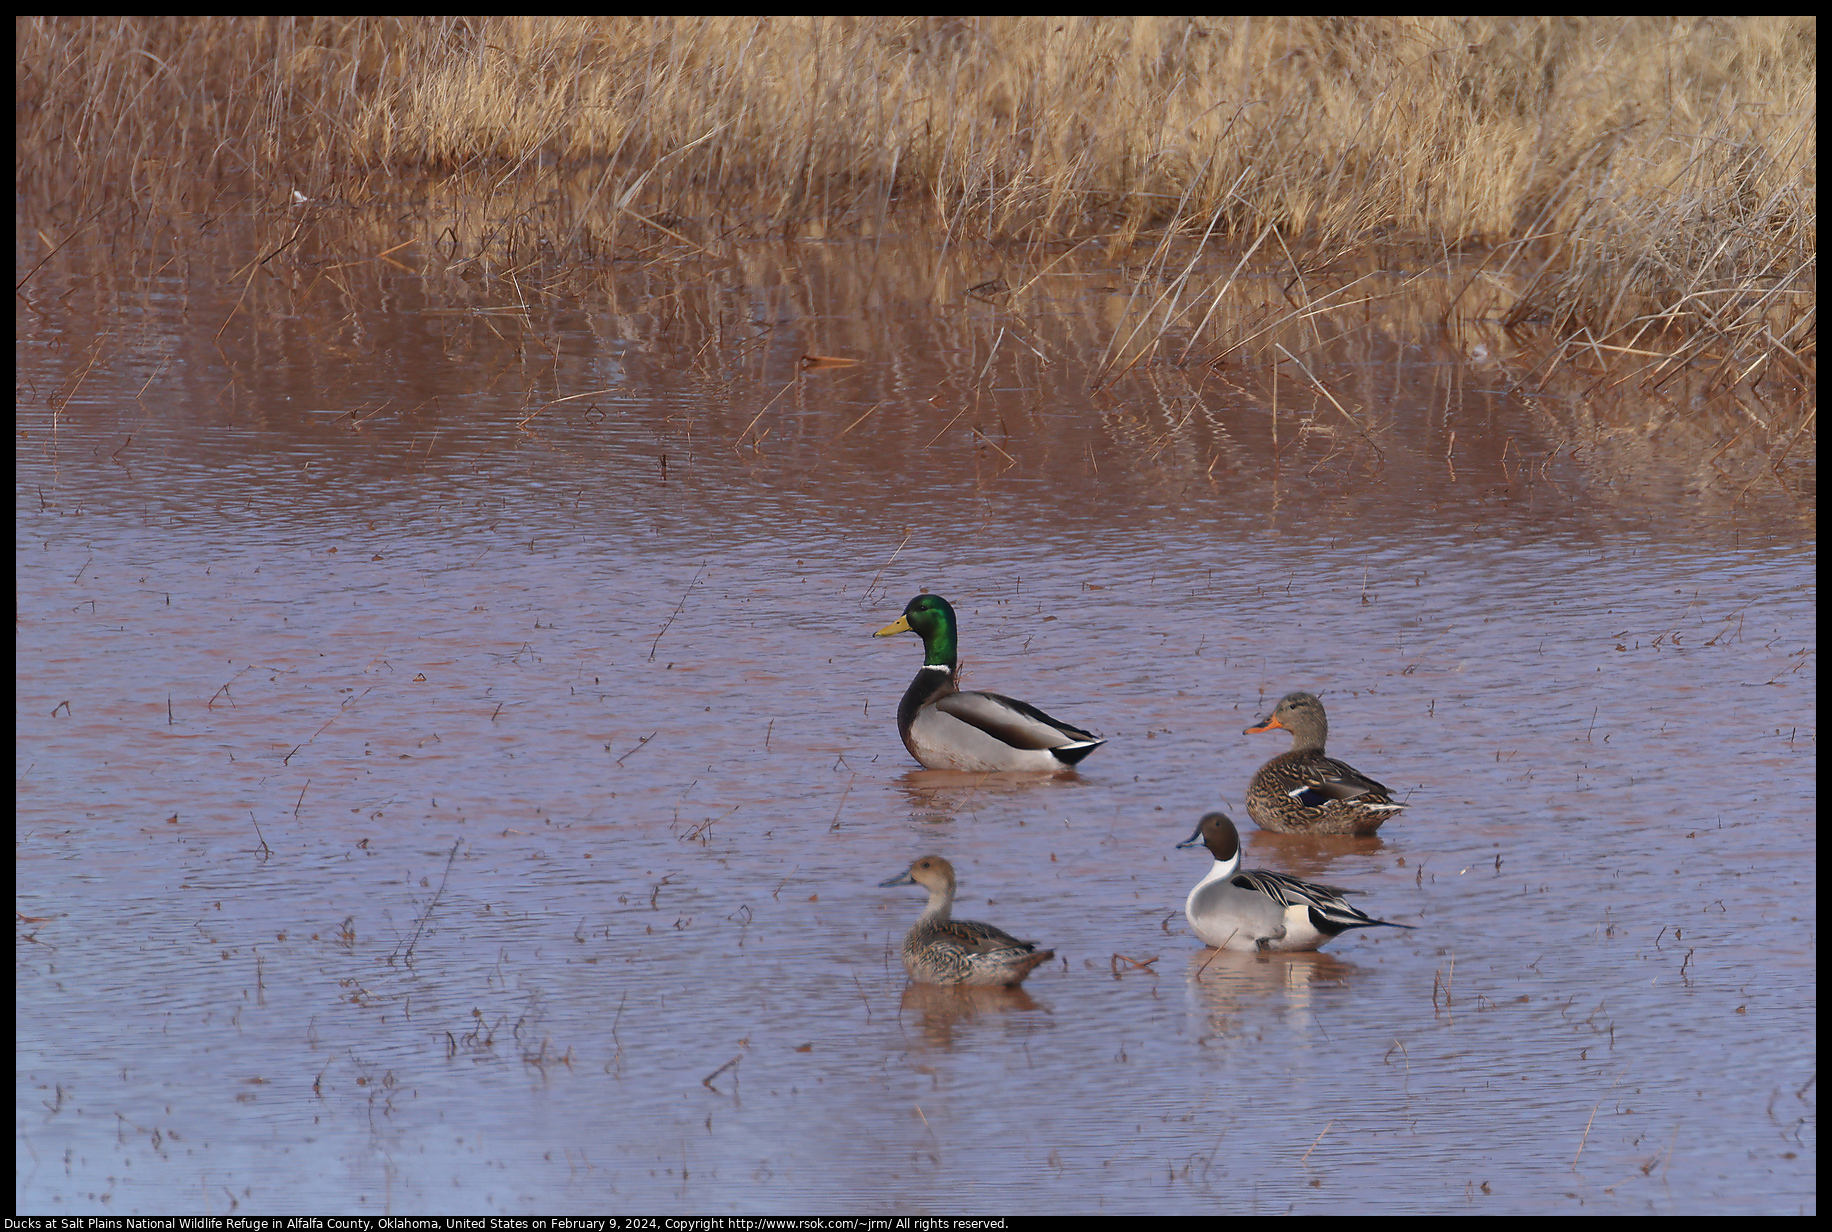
<point>944,950</point>
<point>1306,792</point>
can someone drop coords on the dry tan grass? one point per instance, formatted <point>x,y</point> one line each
<point>1646,183</point>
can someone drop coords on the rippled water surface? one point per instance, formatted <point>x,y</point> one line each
<point>418,812</point>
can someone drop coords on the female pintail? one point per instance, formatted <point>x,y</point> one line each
<point>943,950</point>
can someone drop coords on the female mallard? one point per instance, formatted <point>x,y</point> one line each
<point>946,728</point>
<point>1259,910</point>
<point>1304,792</point>
<point>943,950</point>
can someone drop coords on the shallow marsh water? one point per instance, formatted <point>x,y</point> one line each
<point>421,813</point>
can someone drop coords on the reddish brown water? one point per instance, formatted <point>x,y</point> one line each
<point>421,814</point>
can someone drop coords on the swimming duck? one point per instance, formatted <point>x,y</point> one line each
<point>944,950</point>
<point>946,728</point>
<point>1304,792</point>
<point>1233,909</point>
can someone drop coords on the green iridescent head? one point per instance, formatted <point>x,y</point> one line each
<point>932,619</point>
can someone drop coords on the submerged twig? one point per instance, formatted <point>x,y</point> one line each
<point>675,612</point>
<point>707,1081</point>
<point>420,925</point>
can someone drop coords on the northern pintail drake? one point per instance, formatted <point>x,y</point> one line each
<point>1233,909</point>
<point>943,950</point>
<point>1305,792</point>
<point>947,728</point>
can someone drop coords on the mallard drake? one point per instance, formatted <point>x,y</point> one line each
<point>947,728</point>
<point>944,950</point>
<point>1259,910</point>
<point>1304,792</point>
